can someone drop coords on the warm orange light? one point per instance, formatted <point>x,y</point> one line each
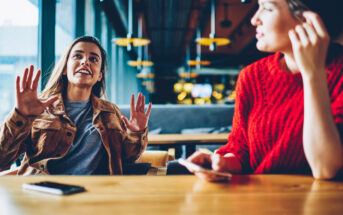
<point>146,75</point>
<point>198,62</point>
<point>133,41</point>
<point>188,75</point>
<point>140,63</point>
<point>216,41</point>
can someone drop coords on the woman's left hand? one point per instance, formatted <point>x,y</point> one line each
<point>310,41</point>
<point>138,119</point>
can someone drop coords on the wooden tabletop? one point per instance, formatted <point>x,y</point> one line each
<point>188,138</point>
<point>249,194</point>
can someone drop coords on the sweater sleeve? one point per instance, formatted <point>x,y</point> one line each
<point>337,94</point>
<point>238,138</point>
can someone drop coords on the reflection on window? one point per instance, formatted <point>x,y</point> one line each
<point>19,37</point>
<point>64,26</point>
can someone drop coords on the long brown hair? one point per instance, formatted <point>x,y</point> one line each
<point>58,82</point>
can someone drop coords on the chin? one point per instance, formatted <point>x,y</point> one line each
<point>263,47</point>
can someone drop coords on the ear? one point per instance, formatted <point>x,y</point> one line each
<point>100,76</point>
<point>64,72</point>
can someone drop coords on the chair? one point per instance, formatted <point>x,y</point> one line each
<point>157,158</point>
<point>13,171</point>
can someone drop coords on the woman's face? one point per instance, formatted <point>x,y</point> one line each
<point>84,65</point>
<point>273,20</point>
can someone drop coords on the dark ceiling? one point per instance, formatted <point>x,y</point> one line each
<point>171,26</point>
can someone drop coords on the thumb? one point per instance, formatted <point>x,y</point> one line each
<point>49,101</point>
<point>218,163</point>
<point>125,120</point>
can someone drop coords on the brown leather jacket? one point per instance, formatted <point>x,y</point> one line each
<point>51,134</point>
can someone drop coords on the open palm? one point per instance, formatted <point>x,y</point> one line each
<point>138,119</point>
<point>27,99</point>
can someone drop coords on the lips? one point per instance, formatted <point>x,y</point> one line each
<point>84,71</point>
<point>259,34</point>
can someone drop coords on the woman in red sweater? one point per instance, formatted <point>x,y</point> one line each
<point>289,107</point>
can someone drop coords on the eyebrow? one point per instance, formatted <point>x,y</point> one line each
<point>92,53</point>
<point>268,1</point>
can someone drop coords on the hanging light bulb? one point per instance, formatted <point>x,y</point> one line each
<point>213,41</point>
<point>129,41</point>
<point>198,62</point>
<point>139,63</point>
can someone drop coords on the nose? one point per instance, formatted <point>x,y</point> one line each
<point>85,61</point>
<point>255,20</point>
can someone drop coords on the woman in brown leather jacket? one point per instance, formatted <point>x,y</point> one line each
<point>69,129</point>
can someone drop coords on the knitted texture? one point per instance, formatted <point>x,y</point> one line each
<point>269,115</point>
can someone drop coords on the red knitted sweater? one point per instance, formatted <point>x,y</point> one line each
<point>269,114</point>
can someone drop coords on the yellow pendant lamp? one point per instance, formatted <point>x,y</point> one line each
<point>129,41</point>
<point>213,41</point>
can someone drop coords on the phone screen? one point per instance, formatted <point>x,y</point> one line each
<point>53,187</point>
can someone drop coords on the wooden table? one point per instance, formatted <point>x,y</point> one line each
<point>190,140</point>
<point>249,194</point>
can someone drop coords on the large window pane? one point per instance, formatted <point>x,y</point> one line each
<point>89,18</point>
<point>18,46</point>
<point>64,26</point>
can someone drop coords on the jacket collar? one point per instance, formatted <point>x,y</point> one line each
<point>57,108</point>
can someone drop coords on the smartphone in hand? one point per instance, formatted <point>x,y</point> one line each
<point>197,168</point>
<point>53,187</point>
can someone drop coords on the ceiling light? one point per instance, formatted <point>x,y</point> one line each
<point>212,41</point>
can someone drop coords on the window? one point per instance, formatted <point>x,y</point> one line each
<point>19,37</point>
<point>65,20</point>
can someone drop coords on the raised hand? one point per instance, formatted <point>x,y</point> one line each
<point>138,119</point>
<point>27,99</point>
<point>310,42</point>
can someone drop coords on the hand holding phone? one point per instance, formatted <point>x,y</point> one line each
<point>54,188</point>
<point>196,168</point>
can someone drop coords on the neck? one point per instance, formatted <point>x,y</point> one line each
<point>288,63</point>
<point>78,94</point>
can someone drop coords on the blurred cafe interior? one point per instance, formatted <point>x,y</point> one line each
<point>183,55</point>
<point>173,63</point>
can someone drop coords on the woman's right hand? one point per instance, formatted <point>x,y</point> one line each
<point>27,100</point>
<point>218,163</point>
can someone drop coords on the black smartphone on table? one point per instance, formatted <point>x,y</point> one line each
<point>53,187</point>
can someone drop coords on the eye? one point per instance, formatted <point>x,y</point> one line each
<point>77,56</point>
<point>93,59</point>
<point>268,8</point>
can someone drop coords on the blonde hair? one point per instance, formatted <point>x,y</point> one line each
<point>58,82</point>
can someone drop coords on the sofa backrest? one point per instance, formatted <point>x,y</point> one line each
<point>169,119</point>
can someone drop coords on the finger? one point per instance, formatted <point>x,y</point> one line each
<point>17,85</point>
<point>219,163</point>
<point>138,102</point>
<point>200,158</point>
<point>48,102</point>
<point>294,39</point>
<point>35,80</point>
<point>302,35</point>
<point>125,120</point>
<point>23,81</point>
<point>312,35</point>
<point>149,110</point>
<point>29,78</point>
<point>143,104</point>
<point>132,105</point>
<point>315,20</point>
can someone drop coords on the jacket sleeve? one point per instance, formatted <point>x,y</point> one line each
<point>134,145</point>
<point>238,138</point>
<point>13,136</point>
